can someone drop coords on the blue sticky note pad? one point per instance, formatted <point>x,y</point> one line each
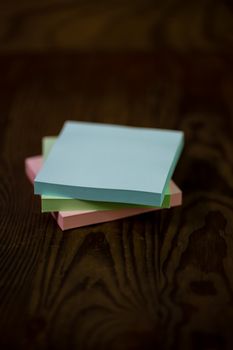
<point>110,163</point>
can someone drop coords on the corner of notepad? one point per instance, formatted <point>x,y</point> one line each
<point>27,164</point>
<point>161,197</point>
<point>68,123</point>
<point>180,135</point>
<point>43,207</point>
<point>37,186</point>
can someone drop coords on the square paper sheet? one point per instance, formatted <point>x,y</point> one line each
<point>110,163</point>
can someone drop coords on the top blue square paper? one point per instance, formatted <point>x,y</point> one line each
<point>110,163</point>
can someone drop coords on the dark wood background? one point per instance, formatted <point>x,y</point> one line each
<point>158,281</point>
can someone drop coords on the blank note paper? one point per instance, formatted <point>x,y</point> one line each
<point>107,163</point>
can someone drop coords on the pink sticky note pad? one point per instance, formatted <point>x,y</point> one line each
<point>74,219</point>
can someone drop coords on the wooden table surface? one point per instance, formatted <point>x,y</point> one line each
<point>163,280</point>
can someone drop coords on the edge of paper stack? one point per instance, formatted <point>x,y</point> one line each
<point>91,212</point>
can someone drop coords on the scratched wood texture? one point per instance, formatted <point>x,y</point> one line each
<point>158,281</point>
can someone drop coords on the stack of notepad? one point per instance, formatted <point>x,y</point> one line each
<point>93,173</point>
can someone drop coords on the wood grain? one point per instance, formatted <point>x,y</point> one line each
<point>145,25</point>
<point>162,280</point>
